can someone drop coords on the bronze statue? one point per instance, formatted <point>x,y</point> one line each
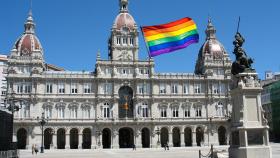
<point>242,62</point>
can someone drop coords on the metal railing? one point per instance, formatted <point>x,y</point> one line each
<point>9,154</point>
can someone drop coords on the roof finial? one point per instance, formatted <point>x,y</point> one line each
<point>29,24</point>
<point>210,31</point>
<point>123,6</point>
<point>98,55</point>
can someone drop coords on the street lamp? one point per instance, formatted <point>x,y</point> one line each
<point>42,123</point>
<point>98,133</point>
<point>10,104</point>
<point>158,133</point>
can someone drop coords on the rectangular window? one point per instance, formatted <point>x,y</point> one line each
<point>143,88</point>
<point>87,88</point>
<point>197,88</point>
<point>73,112</point>
<point>187,112</point>
<point>125,40</point>
<point>216,89</point>
<point>175,88</point>
<point>125,71</point>
<point>86,113</point>
<point>198,112</point>
<point>163,112</point>
<point>61,88</point>
<point>49,88</point>
<point>131,41</point>
<point>162,88</point>
<point>61,112</point>
<point>107,88</point>
<point>48,112</point>
<point>175,112</point>
<point>27,88</point>
<point>186,88</point>
<point>106,112</point>
<point>118,40</point>
<point>144,71</point>
<point>74,88</point>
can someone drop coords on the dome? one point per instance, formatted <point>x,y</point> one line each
<point>213,47</point>
<point>124,19</point>
<point>27,43</point>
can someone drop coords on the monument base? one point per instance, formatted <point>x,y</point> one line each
<point>250,152</point>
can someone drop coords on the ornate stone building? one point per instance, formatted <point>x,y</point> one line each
<point>123,102</point>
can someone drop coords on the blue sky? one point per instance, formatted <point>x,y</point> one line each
<point>72,31</point>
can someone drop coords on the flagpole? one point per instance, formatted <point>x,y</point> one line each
<point>145,43</point>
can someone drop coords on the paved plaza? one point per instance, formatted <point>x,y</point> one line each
<point>129,153</point>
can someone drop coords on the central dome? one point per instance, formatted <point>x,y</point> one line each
<point>213,47</point>
<point>28,42</point>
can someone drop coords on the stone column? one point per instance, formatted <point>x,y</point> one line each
<point>170,139</point>
<point>115,141</point>
<point>194,138</point>
<point>182,139</point>
<point>54,141</point>
<point>67,139</point>
<point>266,137</point>
<point>93,140</point>
<point>80,141</point>
<point>137,139</point>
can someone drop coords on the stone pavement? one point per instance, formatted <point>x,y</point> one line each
<point>183,152</point>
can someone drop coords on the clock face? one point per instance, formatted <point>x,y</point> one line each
<point>125,29</point>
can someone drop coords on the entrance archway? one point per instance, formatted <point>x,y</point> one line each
<point>163,136</point>
<point>126,137</point>
<point>222,135</point>
<point>125,102</point>
<point>61,138</point>
<point>48,138</point>
<point>199,136</point>
<point>74,138</point>
<point>176,137</point>
<point>188,136</point>
<point>86,138</point>
<point>106,138</point>
<point>145,135</point>
<point>21,138</point>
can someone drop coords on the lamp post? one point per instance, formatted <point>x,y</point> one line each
<point>98,133</point>
<point>158,133</point>
<point>42,123</point>
<point>10,104</point>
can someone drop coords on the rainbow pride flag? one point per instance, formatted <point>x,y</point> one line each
<point>169,37</point>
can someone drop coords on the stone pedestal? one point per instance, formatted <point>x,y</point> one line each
<point>249,130</point>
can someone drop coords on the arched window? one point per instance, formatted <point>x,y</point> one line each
<point>220,109</point>
<point>61,111</point>
<point>86,112</point>
<point>73,112</point>
<point>143,110</point>
<point>24,112</point>
<point>106,110</point>
<point>48,111</point>
<point>175,111</point>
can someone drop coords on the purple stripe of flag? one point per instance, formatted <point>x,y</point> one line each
<point>167,50</point>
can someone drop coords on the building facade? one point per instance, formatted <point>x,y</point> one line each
<point>270,81</point>
<point>3,82</point>
<point>123,102</point>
